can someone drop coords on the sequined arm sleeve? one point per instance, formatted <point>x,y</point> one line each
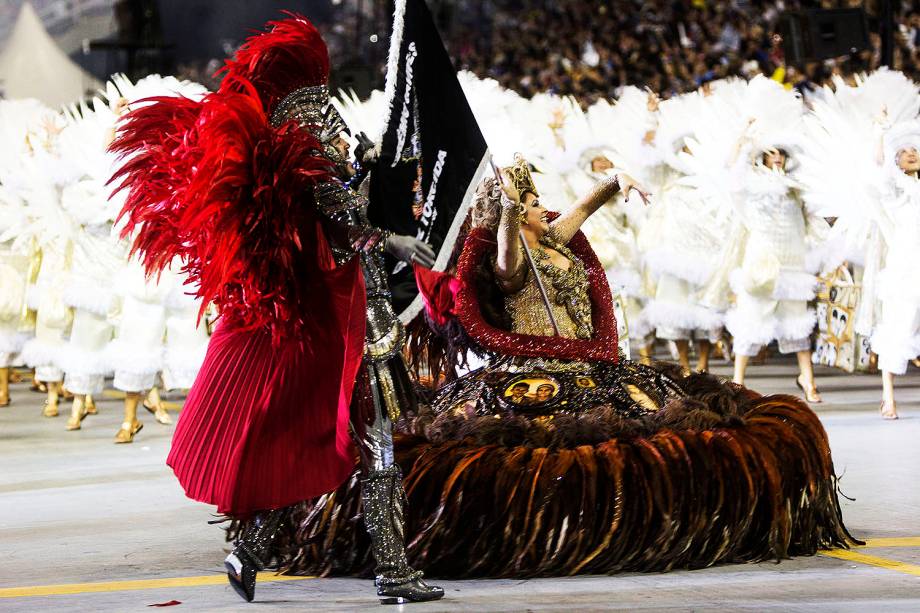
<point>567,224</point>
<point>346,220</point>
<point>510,271</point>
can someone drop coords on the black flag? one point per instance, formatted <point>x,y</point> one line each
<point>432,151</point>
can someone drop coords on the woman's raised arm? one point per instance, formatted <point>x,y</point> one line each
<point>569,222</point>
<point>509,261</point>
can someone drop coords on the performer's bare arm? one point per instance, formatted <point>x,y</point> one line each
<point>567,224</point>
<point>509,260</point>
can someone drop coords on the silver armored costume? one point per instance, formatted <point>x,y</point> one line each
<point>383,388</point>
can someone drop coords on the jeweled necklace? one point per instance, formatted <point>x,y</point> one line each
<point>569,285</point>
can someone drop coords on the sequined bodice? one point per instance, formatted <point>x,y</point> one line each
<point>568,296</point>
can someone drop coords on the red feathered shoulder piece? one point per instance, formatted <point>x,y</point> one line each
<point>158,144</point>
<point>215,184</point>
<point>478,250</point>
<point>287,57</point>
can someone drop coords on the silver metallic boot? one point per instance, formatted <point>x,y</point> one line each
<point>384,499</point>
<point>251,552</point>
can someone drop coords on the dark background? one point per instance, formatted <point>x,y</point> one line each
<point>589,49</point>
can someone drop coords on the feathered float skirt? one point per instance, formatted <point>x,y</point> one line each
<point>545,468</point>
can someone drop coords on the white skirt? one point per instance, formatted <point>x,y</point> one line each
<point>675,314</point>
<point>896,338</point>
<point>186,345</point>
<point>83,360</point>
<point>136,354</point>
<point>755,322</point>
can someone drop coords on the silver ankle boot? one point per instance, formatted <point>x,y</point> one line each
<point>384,500</point>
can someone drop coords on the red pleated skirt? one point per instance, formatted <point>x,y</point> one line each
<point>266,426</point>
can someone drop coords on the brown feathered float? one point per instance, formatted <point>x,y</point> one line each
<point>623,467</point>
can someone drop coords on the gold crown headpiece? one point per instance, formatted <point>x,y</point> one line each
<point>520,176</point>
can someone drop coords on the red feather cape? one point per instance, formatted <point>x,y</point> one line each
<point>213,184</point>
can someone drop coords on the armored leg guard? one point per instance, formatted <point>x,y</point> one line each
<point>384,500</point>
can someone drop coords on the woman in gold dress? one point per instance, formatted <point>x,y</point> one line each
<point>601,464</point>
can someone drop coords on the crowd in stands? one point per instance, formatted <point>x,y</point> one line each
<point>590,48</point>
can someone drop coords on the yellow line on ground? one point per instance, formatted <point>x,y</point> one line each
<point>855,556</point>
<point>219,579</point>
<point>896,541</point>
<point>122,586</point>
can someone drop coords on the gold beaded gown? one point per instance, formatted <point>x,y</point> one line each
<point>558,457</point>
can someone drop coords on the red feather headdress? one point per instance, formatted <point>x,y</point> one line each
<point>213,183</point>
<point>287,57</point>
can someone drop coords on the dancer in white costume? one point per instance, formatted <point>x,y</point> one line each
<point>629,127</point>
<point>683,239</point>
<point>613,229</point>
<point>98,255</point>
<point>136,355</point>
<point>14,269</point>
<point>861,166</point>
<point>896,338</point>
<point>771,272</point>
<point>15,265</point>
<point>24,126</point>
<point>44,175</point>
<point>581,154</point>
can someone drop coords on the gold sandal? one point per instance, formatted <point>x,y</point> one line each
<point>127,431</point>
<point>159,413</point>
<point>76,422</point>
<point>50,410</point>
<point>811,395</point>
<point>889,415</point>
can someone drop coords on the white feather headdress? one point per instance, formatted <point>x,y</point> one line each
<point>777,117</point>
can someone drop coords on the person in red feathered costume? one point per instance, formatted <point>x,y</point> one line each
<point>253,189</point>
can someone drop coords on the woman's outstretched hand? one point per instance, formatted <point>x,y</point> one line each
<point>628,184</point>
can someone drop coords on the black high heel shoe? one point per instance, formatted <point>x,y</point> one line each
<point>252,549</point>
<point>241,572</point>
